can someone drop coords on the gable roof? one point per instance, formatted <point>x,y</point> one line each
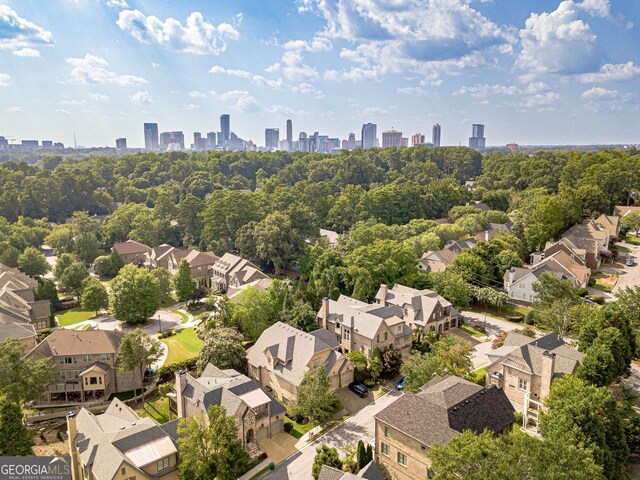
<point>371,471</point>
<point>611,223</point>
<point>67,342</point>
<point>423,302</point>
<point>131,247</point>
<point>444,255</point>
<point>18,309</point>
<point>446,406</point>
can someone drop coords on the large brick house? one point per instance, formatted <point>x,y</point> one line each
<point>363,327</point>
<point>257,414</point>
<point>232,274</point>
<point>406,430</point>
<point>283,354</point>
<point>85,365</point>
<point>119,445</point>
<point>18,305</point>
<point>132,251</point>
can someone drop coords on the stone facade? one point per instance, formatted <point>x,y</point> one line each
<point>391,444</point>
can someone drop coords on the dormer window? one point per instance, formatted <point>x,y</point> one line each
<point>346,334</point>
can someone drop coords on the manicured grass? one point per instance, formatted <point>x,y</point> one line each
<point>156,407</point>
<point>182,346</point>
<point>604,281</point>
<point>471,331</point>
<point>82,327</point>
<point>503,312</point>
<point>478,376</point>
<point>183,315</point>
<point>300,429</point>
<point>623,249</point>
<point>73,316</point>
<point>170,302</point>
<point>631,238</point>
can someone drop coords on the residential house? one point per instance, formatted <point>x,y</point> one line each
<point>480,206</point>
<point>407,430</point>
<point>371,471</point>
<point>120,445</point>
<point>85,364</point>
<point>233,274</point>
<point>519,282</point>
<point>132,251</point>
<point>283,354</point>
<point>593,238</point>
<point>158,257</point>
<point>363,327</point>
<point>421,309</point>
<point>18,305</point>
<point>257,414</point>
<point>623,210</point>
<point>436,261</point>
<point>577,253</point>
<point>457,246</point>
<point>524,367</point>
<point>331,236</point>
<point>492,230</point>
<point>200,262</point>
<point>610,223</point>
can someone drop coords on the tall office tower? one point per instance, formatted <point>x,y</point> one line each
<point>284,145</point>
<point>121,143</point>
<point>165,140</point>
<point>211,140</point>
<point>290,132</point>
<point>271,138</point>
<point>477,139</point>
<point>369,133</point>
<point>177,139</point>
<point>303,142</point>
<point>225,126</point>
<point>47,144</point>
<point>417,139</point>
<point>350,143</point>
<point>30,144</point>
<point>196,137</point>
<point>220,140</point>
<point>435,135</point>
<point>4,143</point>
<point>151,136</point>
<point>391,138</point>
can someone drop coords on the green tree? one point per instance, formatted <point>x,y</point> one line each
<point>253,312</point>
<point>64,261</point>
<point>138,350</point>
<point>375,367</point>
<point>361,455</point>
<point>116,263</point>
<point>102,266</point>
<point>325,456</point>
<point>587,416</point>
<point>360,362</point>
<point>15,438</point>
<point>451,286</point>
<point>314,401</point>
<point>165,283</point>
<point>276,240</point>
<point>183,282</point>
<point>33,262</point>
<point>631,221</point>
<point>222,347</point>
<point>209,447</point>
<point>300,315</point>
<point>392,360</point>
<point>94,295</point>
<point>26,379</point>
<point>73,277</point>
<point>60,239</point>
<point>135,295</point>
<point>46,290</point>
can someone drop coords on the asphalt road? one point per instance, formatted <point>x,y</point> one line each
<point>358,427</point>
<point>630,276</point>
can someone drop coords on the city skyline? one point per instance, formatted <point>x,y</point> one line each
<point>328,67</point>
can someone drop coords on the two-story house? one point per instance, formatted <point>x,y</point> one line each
<point>421,309</point>
<point>591,237</point>
<point>232,274</point>
<point>257,414</point>
<point>17,300</point>
<point>119,445</point>
<point>85,364</point>
<point>362,327</point>
<point>283,354</point>
<point>158,257</point>
<point>407,430</point>
<point>524,368</point>
<point>200,262</point>
<point>132,251</point>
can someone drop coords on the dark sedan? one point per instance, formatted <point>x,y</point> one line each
<point>359,389</point>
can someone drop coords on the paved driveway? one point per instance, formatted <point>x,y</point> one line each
<point>358,427</point>
<point>630,276</point>
<point>279,446</point>
<point>351,402</point>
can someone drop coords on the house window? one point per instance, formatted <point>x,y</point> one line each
<point>384,448</point>
<point>105,357</point>
<point>402,459</point>
<point>100,380</point>
<point>93,381</point>
<point>347,335</point>
<point>67,360</point>
<point>387,432</point>
<point>86,358</point>
<point>123,471</point>
<point>522,384</point>
<point>521,285</point>
<point>382,337</point>
<point>164,463</point>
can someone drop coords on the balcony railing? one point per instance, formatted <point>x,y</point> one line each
<point>65,387</point>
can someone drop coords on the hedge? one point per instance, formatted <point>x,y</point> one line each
<point>166,372</point>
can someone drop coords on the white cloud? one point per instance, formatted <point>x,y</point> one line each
<point>92,69</point>
<point>197,94</point>
<point>276,84</point>
<point>155,65</point>
<point>242,100</point>
<point>14,109</point>
<point>419,91</point>
<point>558,42</point>
<point>99,97</point>
<point>63,112</point>
<point>539,100</point>
<point>17,33</point>
<point>141,98</point>
<point>74,103</point>
<point>308,89</point>
<point>619,72</point>
<point>599,8</point>
<point>118,3</point>
<point>485,90</point>
<point>599,93</point>
<point>317,44</point>
<point>5,79</point>
<point>217,69</point>
<point>197,36</point>
<point>27,52</point>
<point>293,68</point>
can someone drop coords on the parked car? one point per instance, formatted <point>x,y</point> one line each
<point>359,389</point>
<point>400,385</point>
<point>629,261</point>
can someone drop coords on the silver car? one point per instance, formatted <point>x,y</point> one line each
<point>629,261</point>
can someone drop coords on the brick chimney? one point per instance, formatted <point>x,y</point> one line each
<point>382,294</point>
<point>324,314</point>
<point>546,373</point>
<point>181,383</point>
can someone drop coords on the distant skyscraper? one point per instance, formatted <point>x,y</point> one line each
<point>121,143</point>
<point>271,138</point>
<point>290,133</point>
<point>30,144</point>
<point>350,143</point>
<point>47,144</point>
<point>151,136</point>
<point>391,138</point>
<point>196,137</point>
<point>435,135</point>
<point>303,142</point>
<point>172,141</point>
<point>211,140</point>
<point>4,143</point>
<point>417,139</point>
<point>369,133</point>
<point>225,127</point>
<point>477,139</point>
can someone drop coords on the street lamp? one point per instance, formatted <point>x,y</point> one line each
<point>159,324</point>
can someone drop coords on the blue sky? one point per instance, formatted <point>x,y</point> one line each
<point>534,72</point>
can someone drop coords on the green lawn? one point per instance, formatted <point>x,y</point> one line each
<point>478,376</point>
<point>604,281</point>
<point>631,238</point>
<point>182,346</point>
<point>183,315</point>
<point>300,429</point>
<point>503,312</point>
<point>156,407</point>
<point>73,316</point>
<point>471,331</point>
